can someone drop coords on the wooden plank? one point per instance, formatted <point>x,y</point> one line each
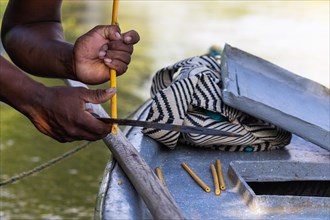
<point>157,199</point>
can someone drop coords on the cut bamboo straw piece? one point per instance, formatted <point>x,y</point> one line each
<point>159,173</point>
<point>113,74</point>
<point>215,180</point>
<point>115,5</point>
<point>113,84</point>
<point>196,178</point>
<point>220,175</point>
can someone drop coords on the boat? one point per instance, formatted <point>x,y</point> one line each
<point>291,183</point>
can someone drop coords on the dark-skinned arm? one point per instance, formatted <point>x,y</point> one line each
<point>58,112</point>
<point>32,35</point>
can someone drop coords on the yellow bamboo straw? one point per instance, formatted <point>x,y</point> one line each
<point>113,74</point>
<point>195,177</point>
<point>216,180</point>
<point>220,176</point>
<point>160,176</point>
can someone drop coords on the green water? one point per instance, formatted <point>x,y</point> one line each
<point>292,34</point>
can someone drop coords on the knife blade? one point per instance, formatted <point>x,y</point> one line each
<point>169,127</point>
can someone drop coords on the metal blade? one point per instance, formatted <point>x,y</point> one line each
<point>170,127</point>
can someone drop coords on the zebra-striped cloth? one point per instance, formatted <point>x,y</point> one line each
<point>189,93</point>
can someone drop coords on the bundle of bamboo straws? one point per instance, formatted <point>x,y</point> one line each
<point>219,183</point>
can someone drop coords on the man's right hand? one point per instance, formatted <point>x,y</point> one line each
<point>60,112</point>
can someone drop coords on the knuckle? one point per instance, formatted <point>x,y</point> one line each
<point>99,93</point>
<point>128,59</point>
<point>97,27</point>
<point>125,68</point>
<point>102,130</point>
<point>122,69</point>
<point>129,48</point>
<point>80,89</point>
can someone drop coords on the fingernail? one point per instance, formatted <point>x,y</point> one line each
<point>111,90</point>
<point>102,53</point>
<point>105,47</point>
<point>107,60</point>
<point>118,36</point>
<point>128,39</point>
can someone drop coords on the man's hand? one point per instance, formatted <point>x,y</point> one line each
<point>33,37</point>
<point>61,113</point>
<point>102,45</point>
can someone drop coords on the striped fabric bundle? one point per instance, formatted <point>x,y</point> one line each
<point>189,93</point>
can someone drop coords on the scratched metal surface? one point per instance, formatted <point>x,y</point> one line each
<point>119,200</point>
<point>271,93</point>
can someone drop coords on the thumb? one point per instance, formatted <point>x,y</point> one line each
<point>100,95</point>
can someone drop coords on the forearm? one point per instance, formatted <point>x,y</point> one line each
<point>32,35</point>
<point>38,52</point>
<point>58,112</point>
<point>17,89</point>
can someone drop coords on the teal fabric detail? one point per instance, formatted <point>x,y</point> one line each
<point>215,51</point>
<point>248,149</point>
<point>216,116</point>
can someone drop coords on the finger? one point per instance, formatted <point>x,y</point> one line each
<point>85,127</point>
<point>103,51</point>
<point>120,46</point>
<point>94,128</point>
<point>90,110</point>
<point>118,55</point>
<point>111,32</point>
<point>118,61</point>
<point>131,37</point>
<point>90,133</point>
<point>98,96</point>
<point>114,46</point>
<point>62,135</point>
<point>97,127</point>
<point>117,65</point>
<point>105,47</point>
